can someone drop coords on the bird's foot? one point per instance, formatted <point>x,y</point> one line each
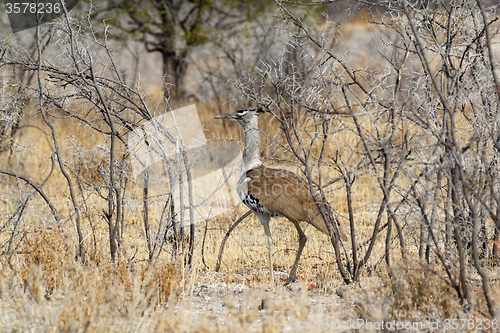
<point>290,280</point>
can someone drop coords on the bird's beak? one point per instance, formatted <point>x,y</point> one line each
<point>224,116</point>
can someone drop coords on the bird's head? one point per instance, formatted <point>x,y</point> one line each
<point>243,116</point>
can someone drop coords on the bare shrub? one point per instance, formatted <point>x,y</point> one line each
<point>397,136</point>
<point>12,103</point>
<point>423,126</point>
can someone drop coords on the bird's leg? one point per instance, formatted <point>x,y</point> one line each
<point>265,222</point>
<point>269,251</point>
<point>302,243</point>
<point>270,258</point>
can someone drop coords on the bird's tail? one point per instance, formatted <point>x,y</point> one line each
<point>320,224</point>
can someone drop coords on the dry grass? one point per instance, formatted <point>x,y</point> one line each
<point>43,287</point>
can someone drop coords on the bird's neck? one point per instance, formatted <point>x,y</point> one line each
<point>251,153</point>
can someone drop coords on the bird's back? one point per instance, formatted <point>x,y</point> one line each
<point>282,192</point>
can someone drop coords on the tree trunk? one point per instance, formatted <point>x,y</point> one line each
<point>174,73</point>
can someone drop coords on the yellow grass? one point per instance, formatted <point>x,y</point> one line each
<point>44,287</point>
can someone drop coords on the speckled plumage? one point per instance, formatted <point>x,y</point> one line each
<point>277,192</point>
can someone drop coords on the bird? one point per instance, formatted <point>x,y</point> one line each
<point>271,192</point>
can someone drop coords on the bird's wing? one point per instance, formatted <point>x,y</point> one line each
<point>281,192</point>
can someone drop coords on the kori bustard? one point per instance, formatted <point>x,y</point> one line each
<point>274,192</point>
